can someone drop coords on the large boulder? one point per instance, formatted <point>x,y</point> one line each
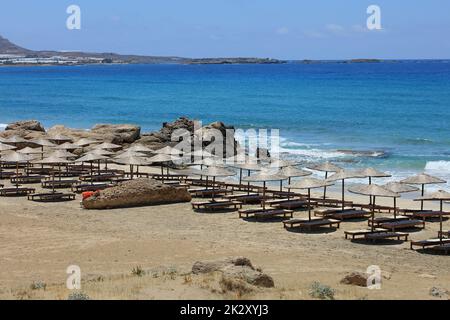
<point>139,192</point>
<point>163,137</point>
<point>235,269</point>
<point>27,125</point>
<point>121,133</point>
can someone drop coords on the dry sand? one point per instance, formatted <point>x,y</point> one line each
<point>39,241</point>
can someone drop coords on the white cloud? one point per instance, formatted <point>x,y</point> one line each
<point>282,30</point>
<point>335,28</point>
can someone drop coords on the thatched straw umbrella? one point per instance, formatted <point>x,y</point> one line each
<point>29,150</point>
<point>84,142</point>
<point>293,172</point>
<point>344,175</point>
<point>140,148</point>
<point>15,140</point>
<point>215,172</point>
<point>163,159</point>
<point>168,150</point>
<point>249,167</point>
<point>264,176</point>
<point>54,161</point>
<point>62,154</point>
<point>108,146</point>
<point>422,179</point>
<point>440,196</point>
<point>373,191</point>
<point>398,187</point>
<point>42,143</point>
<point>66,146</point>
<point>59,138</point>
<point>17,158</point>
<point>103,152</point>
<point>326,167</point>
<point>373,173</point>
<point>309,183</point>
<point>132,161</point>
<point>91,158</point>
<point>279,163</point>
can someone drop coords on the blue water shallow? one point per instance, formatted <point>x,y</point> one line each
<point>400,108</point>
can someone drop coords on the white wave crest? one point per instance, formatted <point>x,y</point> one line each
<point>443,166</point>
<point>3,126</point>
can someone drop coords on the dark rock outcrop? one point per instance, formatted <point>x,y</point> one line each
<point>27,125</point>
<point>237,268</point>
<point>139,192</point>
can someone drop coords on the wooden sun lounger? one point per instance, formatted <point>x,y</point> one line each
<point>79,188</point>
<point>442,248</point>
<point>169,177</point>
<point>202,193</point>
<point>52,197</point>
<point>100,177</point>
<point>58,184</point>
<point>361,233</point>
<point>384,219</point>
<point>6,175</point>
<point>402,224</point>
<point>39,171</point>
<point>349,213</point>
<point>306,224</point>
<point>428,214</point>
<point>245,198</point>
<point>16,192</point>
<point>265,213</point>
<point>428,243</point>
<point>332,202</point>
<point>26,179</point>
<point>217,205</point>
<point>292,204</point>
<point>378,208</point>
<point>386,235</point>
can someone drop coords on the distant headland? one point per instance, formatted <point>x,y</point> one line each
<point>14,55</point>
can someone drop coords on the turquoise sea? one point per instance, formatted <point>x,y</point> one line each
<point>397,111</point>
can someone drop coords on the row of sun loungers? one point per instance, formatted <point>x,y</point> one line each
<point>16,191</point>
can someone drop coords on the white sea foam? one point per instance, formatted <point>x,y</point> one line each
<point>443,166</point>
<point>3,126</point>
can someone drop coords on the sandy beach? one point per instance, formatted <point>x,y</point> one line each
<point>39,241</point>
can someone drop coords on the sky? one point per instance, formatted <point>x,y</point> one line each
<point>283,29</point>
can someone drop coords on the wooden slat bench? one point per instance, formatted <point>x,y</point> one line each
<point>16,192</point>
<point>202,193</point>
<point>386,235</point>
<point>245,198</point>
<point>27,179</point>
<point>58,184</point>
<point>265,213</point>
<point>361,233</point>
<point>307,224</point>
<point>52,197</point>
<point>402,224</point>
<point>428,243</point>
<point>217,205</point>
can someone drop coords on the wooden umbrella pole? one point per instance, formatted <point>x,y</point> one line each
<point>264,196</point>
<point>309,203</point>
<point>248,184</point>
<point>373,214</point>
<point>370,182</point>
<point>281,185</point>
<point>325,188</point>
<point>395,208</point>
<point>213,191</point>
<point>440,222</point>
<point>343,194</point>
<point>423,193</point>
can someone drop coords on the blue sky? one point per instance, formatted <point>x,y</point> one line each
<point>287,29</point>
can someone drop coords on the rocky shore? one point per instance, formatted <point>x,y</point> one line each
<point>121,134</point>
